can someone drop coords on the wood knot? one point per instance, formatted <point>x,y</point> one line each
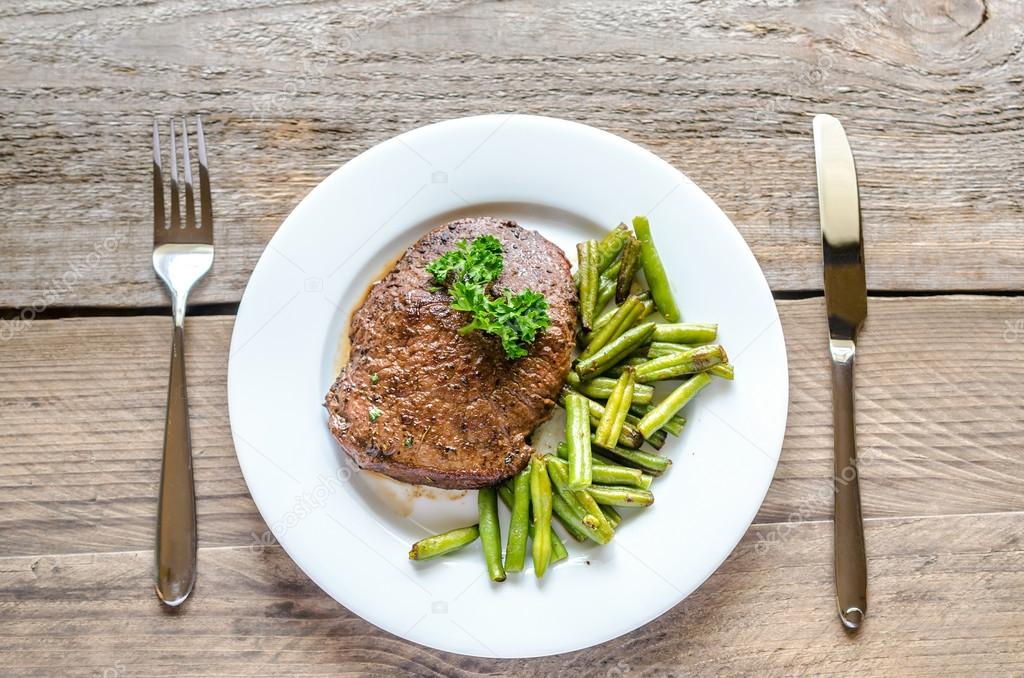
<point>953,18</point>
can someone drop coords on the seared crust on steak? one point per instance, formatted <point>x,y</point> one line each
<point>454,412</point>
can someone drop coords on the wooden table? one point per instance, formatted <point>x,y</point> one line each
<point>931,95</point>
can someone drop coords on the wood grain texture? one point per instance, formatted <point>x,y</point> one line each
<point>84,399</point>
<point>83,412</point>
<point>946,595</point>
<point>930,92</point>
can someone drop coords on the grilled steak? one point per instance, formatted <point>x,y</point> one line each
<point>423,404</point>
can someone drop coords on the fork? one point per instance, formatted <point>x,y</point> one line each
<point>181,256</point>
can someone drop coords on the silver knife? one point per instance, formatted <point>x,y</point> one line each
<point>847,306</point>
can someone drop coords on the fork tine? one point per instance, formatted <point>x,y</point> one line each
<point>205,203</point>
<point>175,206</point>
<point>159,226</point>
<point>190,205</point>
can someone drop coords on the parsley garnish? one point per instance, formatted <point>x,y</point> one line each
<point>408,441</point>
<point>375,413</point>
<point>374,378</point>
<point>516,319</point>
<point>475,264</point>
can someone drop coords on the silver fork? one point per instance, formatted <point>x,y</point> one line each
<point>181,256</point>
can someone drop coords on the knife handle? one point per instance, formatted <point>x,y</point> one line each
<point>850,560</point>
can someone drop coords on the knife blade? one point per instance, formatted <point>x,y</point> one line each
<point>846,305</point>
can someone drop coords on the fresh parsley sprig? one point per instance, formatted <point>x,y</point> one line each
<point>516,319</point>
<point>479,263</point>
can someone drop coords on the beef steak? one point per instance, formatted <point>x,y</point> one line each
<point>451,410</point>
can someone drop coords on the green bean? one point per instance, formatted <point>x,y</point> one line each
<point>604,296</point>
<point>563,453</point>
<point>621,321</point>
<point>605,288</point>
<point>600,388</point>
<point>440,544</point>
<point>605,293</point>
<point>656,440</point>
<point>620,496</point>
<point>540,499</point>
<point>645,298</point>
<point>607,472</point>
<point>619,475</point>
<point>583,505</point>
<point>490,532</point>
<point>611,245</point>
<point>587,252</point>
<point>609,427</point>
<point>654,271</point>
<point>674,373</point>
<point>558,551</point>
<point>568,518</point>
<point>565,517</point>
<point>594,515</point>
<point>611,273</point>
<point>645,481</point>
<point>659,349</point>
<point>650,462</point>
<point>631,361</point>
<point>569,514</point>
<point>577,437</point>
<point>635,309</point>
<point>629,437</point>
<point>518,526</point>
<point>630,261</point>
<point>674,425</point>
<point>611,515</point>
<point>723,370</point>
<point>608,274</point>
<point>686,333</point>
<point>613,351</point>
<point>635,318</point>
<point>603,319</point>
<point>672,403</point>
<point>677,364</point>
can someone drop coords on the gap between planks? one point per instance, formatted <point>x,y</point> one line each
<point>231,308</point>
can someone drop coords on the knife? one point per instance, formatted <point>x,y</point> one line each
<point>846,303</point>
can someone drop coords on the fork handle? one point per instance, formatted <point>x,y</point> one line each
<point>176,516</point>
<point>850,559</point>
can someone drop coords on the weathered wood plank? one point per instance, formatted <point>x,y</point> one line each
<point>940,409</point>
<point>945,598</point>
<point>931,98</point>
<point>83,408</point>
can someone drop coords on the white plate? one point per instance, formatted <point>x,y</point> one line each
<point>350,531</point>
